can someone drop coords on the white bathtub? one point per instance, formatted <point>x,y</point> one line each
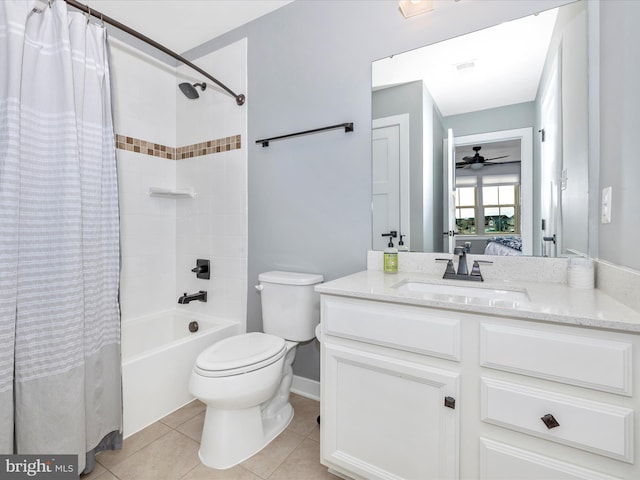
<point>158,354</point>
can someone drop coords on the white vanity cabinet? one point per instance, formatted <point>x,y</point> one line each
<point>532,400</point>
<point>567,386</point>
<point>387,411</point>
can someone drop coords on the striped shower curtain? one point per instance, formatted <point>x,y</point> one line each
<point>60,386</point>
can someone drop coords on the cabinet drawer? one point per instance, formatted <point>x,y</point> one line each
<point>504,462</point>
<point>576,359</point>
<point>422,330</point>
<point>593,426</point>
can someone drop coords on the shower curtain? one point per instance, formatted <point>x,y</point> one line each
<point>60,384</point>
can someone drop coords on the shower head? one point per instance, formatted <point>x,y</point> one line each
<point>190,90</point>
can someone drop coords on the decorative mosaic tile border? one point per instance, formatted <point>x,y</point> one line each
<point>218,145</point>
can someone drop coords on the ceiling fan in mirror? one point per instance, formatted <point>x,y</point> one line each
<point>477,161</point>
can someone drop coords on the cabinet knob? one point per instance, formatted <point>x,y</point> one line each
<point>550,421</point>
<point>450,402</point>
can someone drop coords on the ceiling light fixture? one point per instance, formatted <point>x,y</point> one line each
<point>411,8</point>
<point>467,66</point>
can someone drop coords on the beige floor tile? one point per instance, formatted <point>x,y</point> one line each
<point>167,450</point>
<point>303,463</point>
<point>305,416</point>
<point>183,414</point>
<point>132,444</point>
<point>205,473</point>
<point>315,434</point>
<point>168,458</point>
<point>106,475</point>
<point>193,428</point>
<point>268,459</point>
<point>97,471</point>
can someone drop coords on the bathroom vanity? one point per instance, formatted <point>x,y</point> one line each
<point>504,379</point>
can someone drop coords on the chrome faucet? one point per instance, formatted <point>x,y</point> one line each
<point>201,296</point>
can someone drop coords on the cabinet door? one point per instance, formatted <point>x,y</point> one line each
<point>385,418</point>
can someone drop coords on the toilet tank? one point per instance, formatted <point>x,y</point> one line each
<point>290,305</point>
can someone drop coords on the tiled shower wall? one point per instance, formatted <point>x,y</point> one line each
<point>213,225</point>
<point>166,140</point>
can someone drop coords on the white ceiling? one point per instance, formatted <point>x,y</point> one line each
<point>508,61</point>
<point>181,25</point>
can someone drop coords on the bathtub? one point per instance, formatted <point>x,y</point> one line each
<point>158,354</point>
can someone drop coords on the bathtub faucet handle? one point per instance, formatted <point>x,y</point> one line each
<point>202,269</point>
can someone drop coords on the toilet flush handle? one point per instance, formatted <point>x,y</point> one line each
<point>259,288</point>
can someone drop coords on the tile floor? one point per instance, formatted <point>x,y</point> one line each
<point>168,450</point>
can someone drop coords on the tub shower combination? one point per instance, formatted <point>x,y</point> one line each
<point>158,354</point>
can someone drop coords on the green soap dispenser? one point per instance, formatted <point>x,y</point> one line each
<point>390,254</point>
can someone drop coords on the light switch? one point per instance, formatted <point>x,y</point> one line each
<point>606,205</point>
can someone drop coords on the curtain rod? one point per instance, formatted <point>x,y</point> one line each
<point>239,98</point>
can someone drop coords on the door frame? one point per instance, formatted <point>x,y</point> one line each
<point>525,135</point>
<point>551,106</point>
<point>449,189</point>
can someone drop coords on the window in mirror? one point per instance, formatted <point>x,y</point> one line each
<point>496,203</point>
<point>466,208</point>
<point>500,207</point>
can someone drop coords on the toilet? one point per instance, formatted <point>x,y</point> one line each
<point>245,380</point>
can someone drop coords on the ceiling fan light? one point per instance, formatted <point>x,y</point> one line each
<point>411,8</point>
<point>476,166</point>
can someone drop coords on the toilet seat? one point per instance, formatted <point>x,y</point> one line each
<point>240,354</point>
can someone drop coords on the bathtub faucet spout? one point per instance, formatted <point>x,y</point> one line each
<point>201,295</point>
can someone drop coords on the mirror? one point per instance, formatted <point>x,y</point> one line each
<point>483,139</point>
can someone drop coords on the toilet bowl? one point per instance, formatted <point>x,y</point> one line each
<point>236,378</point>
<point>245,380</point>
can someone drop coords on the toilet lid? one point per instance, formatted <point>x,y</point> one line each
<point>240,351</point>
<point>290,278</point>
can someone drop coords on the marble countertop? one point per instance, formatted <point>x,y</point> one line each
<point>549,302</point>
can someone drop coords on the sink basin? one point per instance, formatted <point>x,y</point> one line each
<point>462,290</point>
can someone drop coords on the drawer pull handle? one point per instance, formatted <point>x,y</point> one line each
<point>549,421</point>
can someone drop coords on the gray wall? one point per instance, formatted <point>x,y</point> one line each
<point>620,124</point>
<point>520,115</point>
<point>309,65</point>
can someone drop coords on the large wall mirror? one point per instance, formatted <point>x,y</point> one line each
<point>483,140</point>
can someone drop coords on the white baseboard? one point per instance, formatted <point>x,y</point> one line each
<point>306,387</point>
